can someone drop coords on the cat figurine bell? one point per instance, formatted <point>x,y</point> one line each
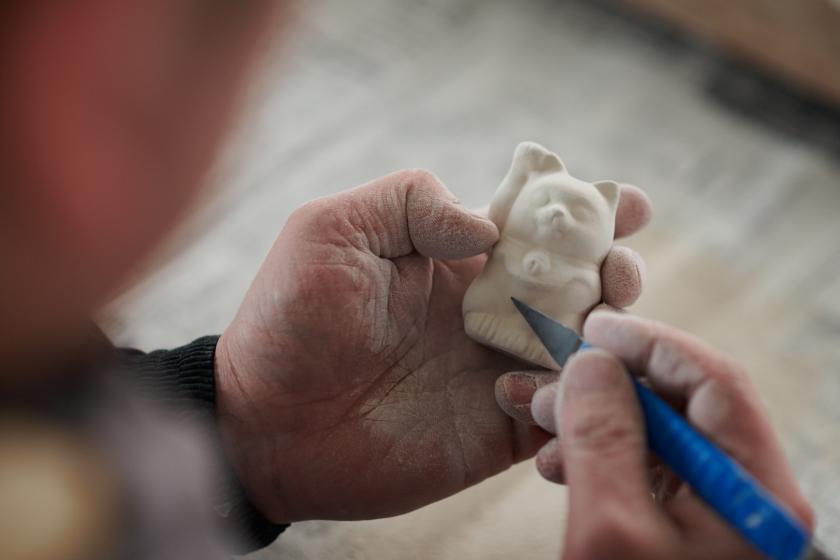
<point>554,233</point>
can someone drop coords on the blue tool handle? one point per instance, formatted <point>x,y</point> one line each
<point>726,487</point>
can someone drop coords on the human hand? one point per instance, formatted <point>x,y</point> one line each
<point>346,386</point>
<point>601,452</point>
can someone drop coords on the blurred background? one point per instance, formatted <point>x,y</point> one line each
<point>725,112</point>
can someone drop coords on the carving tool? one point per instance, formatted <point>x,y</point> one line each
<point>724,485</point>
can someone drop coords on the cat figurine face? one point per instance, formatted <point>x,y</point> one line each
<point>540,203</point>
<point>554,233</point>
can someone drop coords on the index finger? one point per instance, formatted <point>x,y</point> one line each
<point>720,401</point>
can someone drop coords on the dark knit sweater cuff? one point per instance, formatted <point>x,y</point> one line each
<point>183,379</point>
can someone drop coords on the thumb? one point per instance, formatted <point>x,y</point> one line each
<point>410,211</point>
<point>603,442</point>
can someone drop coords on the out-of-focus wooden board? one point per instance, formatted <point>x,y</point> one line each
<point>797,39</point>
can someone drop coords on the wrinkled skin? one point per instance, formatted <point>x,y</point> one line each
<point>601,453</point>
<point>346,385</point>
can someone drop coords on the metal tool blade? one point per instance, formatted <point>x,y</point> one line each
<point>560,341</point>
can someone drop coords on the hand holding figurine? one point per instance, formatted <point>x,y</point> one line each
<point>346,385</point>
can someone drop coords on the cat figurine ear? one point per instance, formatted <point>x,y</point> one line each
<point>528,158</point>
<point>611,193</point>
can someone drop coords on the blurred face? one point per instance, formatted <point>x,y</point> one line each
<point>110,115</point>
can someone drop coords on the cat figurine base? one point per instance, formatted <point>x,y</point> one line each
<point>554,233</point>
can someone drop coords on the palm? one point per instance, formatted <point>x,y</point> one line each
<point>389,382</point>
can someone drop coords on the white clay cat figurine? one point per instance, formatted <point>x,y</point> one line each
<point>555,231</point>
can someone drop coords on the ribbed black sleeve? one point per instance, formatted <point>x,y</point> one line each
<point>183,380</point>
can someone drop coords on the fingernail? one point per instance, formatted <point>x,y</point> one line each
<point>520,388</point>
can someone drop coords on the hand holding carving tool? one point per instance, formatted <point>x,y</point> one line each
<point>715,477</point>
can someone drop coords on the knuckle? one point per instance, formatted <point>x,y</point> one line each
<point>420,182</point>
<point>732,417</point>
<point>309,214</point>
<point>734,376</point>
<point>420,177</point>
<point>733,386</point>
<point>689,363</point>
<point>327,218</point>
<point>602,430</point>
<point>403,187</point>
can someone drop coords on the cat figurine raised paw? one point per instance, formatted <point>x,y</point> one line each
<point>554,233</point>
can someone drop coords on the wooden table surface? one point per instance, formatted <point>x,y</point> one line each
<point>744,249</point>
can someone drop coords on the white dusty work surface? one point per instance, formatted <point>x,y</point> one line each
<point>744,249</point>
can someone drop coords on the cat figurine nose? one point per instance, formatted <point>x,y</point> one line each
<point>553,217</point>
